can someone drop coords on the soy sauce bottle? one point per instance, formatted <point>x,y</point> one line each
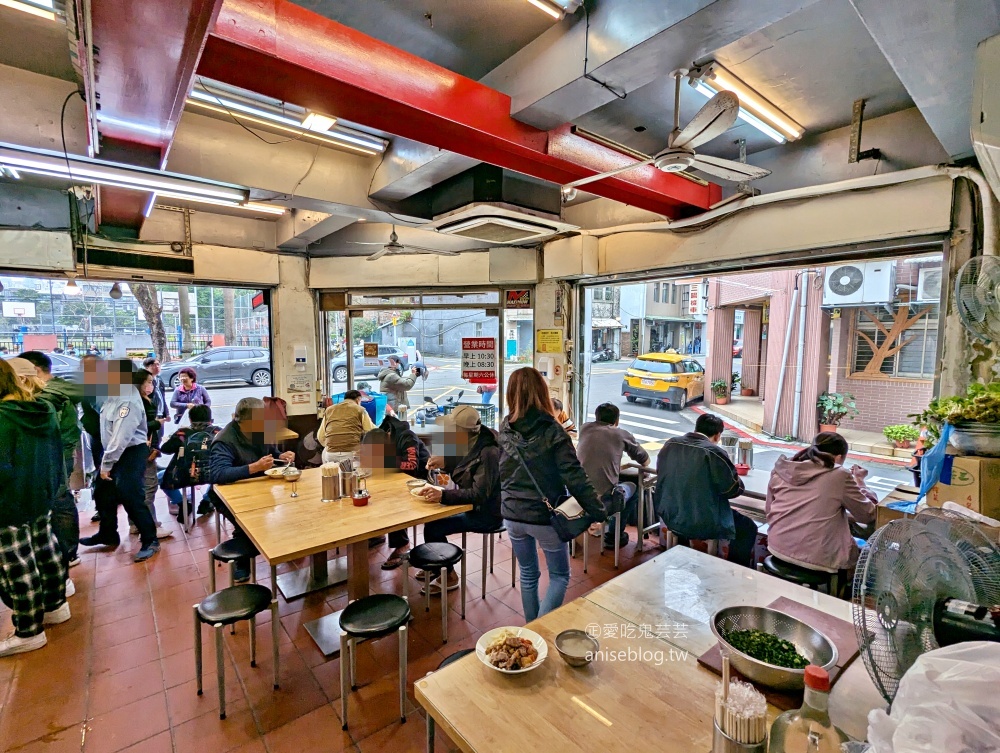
<point>808,729</point>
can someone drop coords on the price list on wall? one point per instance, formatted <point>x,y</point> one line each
<point>479,359</point>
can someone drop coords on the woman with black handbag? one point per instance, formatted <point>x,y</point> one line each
<point>538,464</point>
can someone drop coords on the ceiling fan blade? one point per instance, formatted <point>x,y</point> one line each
<point>437,251</point>
<point>380,253</point>
<point>713,119</point>
<point>728,169</point>
<point>366,243</point>
<point>609,174</point>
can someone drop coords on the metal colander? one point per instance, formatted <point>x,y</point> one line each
<point>809,642</point>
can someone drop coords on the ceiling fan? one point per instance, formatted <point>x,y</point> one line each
<point>395,247</point>
<point>712,120</point>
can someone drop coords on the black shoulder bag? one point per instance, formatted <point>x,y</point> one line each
<point>568,518</point>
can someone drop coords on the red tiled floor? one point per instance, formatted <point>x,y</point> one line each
<point>126,659</point>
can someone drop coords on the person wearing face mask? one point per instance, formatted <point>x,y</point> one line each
<point>245,448</point>
<point>472,461</point>
<point>812,500</point>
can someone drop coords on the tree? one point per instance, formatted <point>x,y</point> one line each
<point>184,307</point>
<point>229,313</point>
<point>901,321</point>
<point>145,294</point>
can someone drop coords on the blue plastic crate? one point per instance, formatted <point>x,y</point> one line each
<point>375,405</point>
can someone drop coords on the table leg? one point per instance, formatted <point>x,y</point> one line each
<point>326,630</point>
<point>430,734</point>
<point>321,573</point>
<point>640,512</point>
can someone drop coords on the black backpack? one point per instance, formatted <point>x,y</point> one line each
<point>190,466</point>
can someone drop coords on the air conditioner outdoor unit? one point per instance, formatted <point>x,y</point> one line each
<point>929,285</point>
<point>863,282</point>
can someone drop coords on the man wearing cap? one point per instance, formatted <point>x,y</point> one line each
<point>472,459</point>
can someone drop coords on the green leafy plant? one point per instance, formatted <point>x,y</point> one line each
<point>901,433</point>
<point>979,404</point>
<point>835,406</point>
<point>720,387</point>
<point>736,381</point>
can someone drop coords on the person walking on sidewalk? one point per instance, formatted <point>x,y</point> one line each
<point>32,574</point>
<point>394,384</point>
<point>123,434</point>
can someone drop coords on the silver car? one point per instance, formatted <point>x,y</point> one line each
<point>226,363</point>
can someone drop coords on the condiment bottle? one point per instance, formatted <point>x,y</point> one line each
<point>808,729</point>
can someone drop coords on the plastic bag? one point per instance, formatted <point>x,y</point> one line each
<point>932,463</point>
<point>946,702</point>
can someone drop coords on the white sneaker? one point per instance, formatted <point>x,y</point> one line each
<point>70,588</point>
<point>17,645</point>
<point>57,617</point>
<point>74,562</point>
<point>132,529</point>
<point>163,533</point>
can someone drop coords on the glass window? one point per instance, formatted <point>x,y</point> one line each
<point>440,334</point>
<point>915,360</point>
<point>215,356</point>
<point>673,293</point>
<point>479,329</point>
<point>656,367</point>
<point>656,292</point>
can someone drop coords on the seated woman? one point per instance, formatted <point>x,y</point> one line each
<point>472,459</point>
<point>811,501</point>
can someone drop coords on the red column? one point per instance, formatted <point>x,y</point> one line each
<point>719,359</point>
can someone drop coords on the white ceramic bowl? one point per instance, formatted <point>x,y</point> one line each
<point>521,632</point>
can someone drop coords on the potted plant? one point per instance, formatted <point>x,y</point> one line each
<point>833,408</point>
<point>902,436</point>
<point>720,388</point>
<point>735,382</point>
<point>974,417</point>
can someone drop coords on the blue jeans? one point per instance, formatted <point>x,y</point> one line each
<point>487,396</point>
<point>523,537</point>
<point>174,495</point>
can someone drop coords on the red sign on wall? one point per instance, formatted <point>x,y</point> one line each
<point>518,299</point>
<point>479,359</point>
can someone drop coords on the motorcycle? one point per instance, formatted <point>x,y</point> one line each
<point>430,410</point>
<point>607,354</point>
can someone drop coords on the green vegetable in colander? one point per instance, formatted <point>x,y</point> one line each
<point>767,648</point>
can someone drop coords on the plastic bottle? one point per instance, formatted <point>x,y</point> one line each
<point>808,729</point>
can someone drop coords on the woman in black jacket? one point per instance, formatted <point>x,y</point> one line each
<point>32,575</point>
<point>531,438</point>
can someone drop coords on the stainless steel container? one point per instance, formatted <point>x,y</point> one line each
<point>348,483</point>
<point>331,488</point>
<point>744,452</point>
<point>723,743</point>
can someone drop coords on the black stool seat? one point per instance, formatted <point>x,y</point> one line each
<point>452,658</point>
<point>435,555</point>
<point>234,604</point>
<point>375,616</point>
<point>803,576</point>
<point>232,550</point>
<point>487,531</point>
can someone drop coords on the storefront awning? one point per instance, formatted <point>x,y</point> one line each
<point>671,319</point>
<point>605,324</point>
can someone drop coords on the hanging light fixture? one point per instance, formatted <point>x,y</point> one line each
<point>71,287</point>
<point>116,291</point>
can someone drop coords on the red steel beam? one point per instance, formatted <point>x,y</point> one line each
<point>148,54</point>
<point>282,50</point>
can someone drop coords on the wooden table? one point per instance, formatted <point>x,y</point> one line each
<point>656,698</point>
<point>677,592</point>
<point>285,528</point>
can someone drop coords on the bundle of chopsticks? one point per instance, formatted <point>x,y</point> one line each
<point>330,469</point>
<point>740,709</point>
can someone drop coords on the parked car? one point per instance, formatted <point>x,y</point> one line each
<point>667,379</point>
<point>737,349</point>
<point>338,365</point>
<point>67,367</point>
<point>224,364</point>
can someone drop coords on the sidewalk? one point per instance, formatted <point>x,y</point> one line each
<point>749,413</point>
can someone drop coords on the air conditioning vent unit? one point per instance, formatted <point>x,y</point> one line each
<point>858,283</point>
<point>929,285</point>
<point>133,261</point>
<point>493,223</point>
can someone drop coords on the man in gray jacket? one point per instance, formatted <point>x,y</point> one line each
<point>394,384</point>
<point>124,435</point>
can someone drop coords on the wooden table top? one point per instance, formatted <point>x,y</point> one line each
<point>676,593</point>
<point>285,529</point>
<point>660,702</point>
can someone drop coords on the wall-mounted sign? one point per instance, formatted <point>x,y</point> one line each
<point>300,383</point>
<point>518,299</point>
<point>479,359</point>
<point>259,300</point>
<point>371,354</point>
<point>549,340</point>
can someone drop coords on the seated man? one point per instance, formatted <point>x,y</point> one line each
<point>472,459</point>
<point>342,428</point>
<point>177,475</point>
<point>695,479</point>
<point>244,448</point>
<point>600,450</point>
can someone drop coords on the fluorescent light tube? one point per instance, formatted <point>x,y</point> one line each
<point>553,10</point>
<point>86,170</point>
<point>716,78</point>
<point>319,123</point>
<point>743,115</point>
<point>32,8</point>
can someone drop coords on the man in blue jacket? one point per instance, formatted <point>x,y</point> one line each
<point>124,437</point>
<point>243,449</point>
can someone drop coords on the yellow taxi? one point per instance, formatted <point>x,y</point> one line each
<point>667,379</point>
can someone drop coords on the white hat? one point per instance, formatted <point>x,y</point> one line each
<point>464,417</point>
